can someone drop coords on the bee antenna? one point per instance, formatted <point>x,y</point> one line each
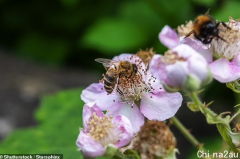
<point>207,13</point>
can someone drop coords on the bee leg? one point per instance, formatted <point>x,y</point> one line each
<point>191,32</point>
<point>198,38</point>
<point>224,24</point>
<point>221,38</point>
<point>207,41</point>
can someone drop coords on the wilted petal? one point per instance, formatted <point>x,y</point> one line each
<point>131,112</point>
<point>224,71</point>
<point>125,127</point>
<point>168,37</point>
<point>177,74</point>
<point>160,106</point>
<point>88,146</point>
<point>88,112</point>
<point>95,93</point>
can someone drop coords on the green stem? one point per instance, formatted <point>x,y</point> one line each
<point>186,133</point>
<point>207,111</point>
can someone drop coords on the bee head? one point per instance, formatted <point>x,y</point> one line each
<point>211,29</point>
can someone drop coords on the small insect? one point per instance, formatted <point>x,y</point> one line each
<point>116,70</point>
<point>205,28</point>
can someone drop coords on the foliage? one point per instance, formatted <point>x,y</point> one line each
<point>62,31</point>
<point>59,117</point>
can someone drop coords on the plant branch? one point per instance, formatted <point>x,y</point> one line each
<point>186,133</point>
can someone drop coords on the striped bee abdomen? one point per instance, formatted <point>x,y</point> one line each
<point>110,80</point>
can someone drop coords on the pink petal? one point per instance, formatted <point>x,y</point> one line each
<point>177,74</point>
<point>132,113</point>
<point>236,60</point>
<point>125,127</point>
<point>88,112</point>
<point>202,49</point>
<point>131,58</point>
<point>160,106</point>
<point>224,71</point>
<point>168,37</point>
<point>96,93</point>
<point>157,67</point>
<point>88,146</point>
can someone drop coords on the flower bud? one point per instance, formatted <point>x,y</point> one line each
<point>192,83</point>
<point>155,140</point>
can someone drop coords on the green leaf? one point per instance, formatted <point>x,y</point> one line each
<point>131,154</point>
<point>224,133</point>
<point>60,116</point>
<point>192,106</point>
<point>114,36</point>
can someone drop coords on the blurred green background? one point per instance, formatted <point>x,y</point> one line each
<point>72,33</point>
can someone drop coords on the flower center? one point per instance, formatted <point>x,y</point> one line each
<point>183,30</point>
<point>171,57</point>
<point>101,129</point>
<point>231,46</point>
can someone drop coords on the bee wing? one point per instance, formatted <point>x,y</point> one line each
<point>107,62</point>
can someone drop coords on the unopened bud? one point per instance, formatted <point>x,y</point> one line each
<point>192,83</point>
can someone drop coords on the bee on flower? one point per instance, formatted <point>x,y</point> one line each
<point>135,97</point>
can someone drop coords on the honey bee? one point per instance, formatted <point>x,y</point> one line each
<point>116,70</point>
<point>205,28</point>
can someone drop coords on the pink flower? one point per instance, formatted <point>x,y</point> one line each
<point>170,39</point>
<point>179,67</point>
<point>143,96</point>
<point>101,131</point>
<point>227,66</point>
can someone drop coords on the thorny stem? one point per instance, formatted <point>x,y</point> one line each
<point>186,133</point>
<point>206,110</point>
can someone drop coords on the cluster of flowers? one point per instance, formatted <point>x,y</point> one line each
<point>152,95</point>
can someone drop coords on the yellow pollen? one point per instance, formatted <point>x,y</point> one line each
<point>99,127</point>
<point>171,58</point>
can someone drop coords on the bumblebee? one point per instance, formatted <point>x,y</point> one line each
<point>205,28</point>
<point>116,70</point>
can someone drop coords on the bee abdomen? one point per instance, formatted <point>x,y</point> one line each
<point>109,83</point>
